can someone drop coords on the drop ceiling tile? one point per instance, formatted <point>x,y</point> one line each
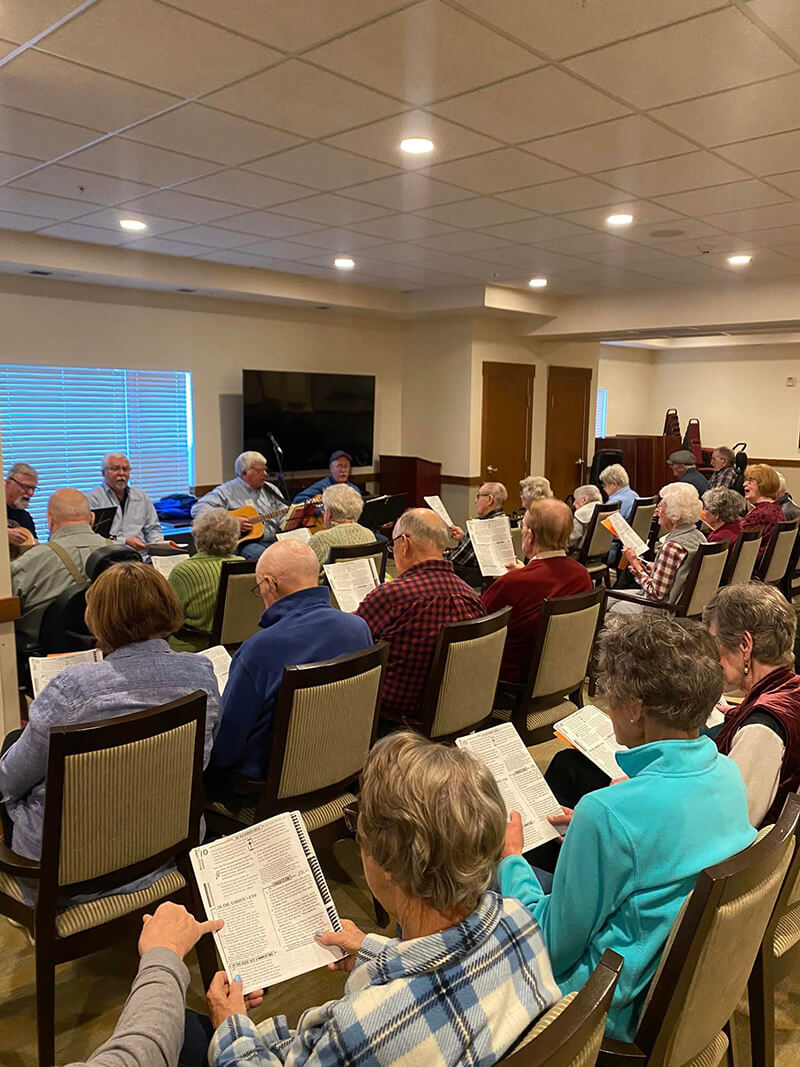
<point>58,180</point>
<point>289,26</point>
<point>780,16</point>
<point>680,269</point>
<point>27,134</point>
<point>673,64</point>
<point>498,171</point>
<point>166,247</point>
<point>399,253</point>
<point>338,240</point>
<point>93,235</point>
<point>765,264</point>
<point>303,100</point>
<point>285,250</point>
<point>724,198</point>
<point>235,259</point>
<point>677,174</point>
<point>483,211</point>
<point>534,231</point>
<point>569,195</point>
<point>694,246</point>
<point>138,162</point>
<point>407,192</point>
<point>791,250</point>
<point>642,210</point>
<point>211,236</point>
<point>11,220</point>
<point>403,227</point>
<point>52,207</point>
<point>767,155</point>
<point>600,274</point>
<point>633,257</point>
<point>750,111</point>
<point>243,188</point>
<point>6,48</point>
<point>757,218</point>
<point>321,166</point>
<point>413,54</point>
<point>23,19</point>
<point>210,134</point>
<point>11,165</point>
<point>464,242</point>
<point>584,244</point>
<point>172,204</point>
<point>381,140</point>
<point>662,232</point>
<point>788,183</point>
<point>331,210</point>
<point>156,45</point>
<point>772,238</point>
<point>108,219</point>
<point>265,224</point>
<point>559,29</point>
<point>529,258</point>
<point>621,142</point>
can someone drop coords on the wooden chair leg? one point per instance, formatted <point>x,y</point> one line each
<point>761,999</point>
<point>45,1003</point>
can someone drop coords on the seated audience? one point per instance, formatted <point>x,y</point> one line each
<point>585,499</point>
<point>725,473</point>
<point>339,466</point>
<point>664,579</point>
<point>684,469</point>
<point>409,611</point>
<point>249,488</point>
<point>21,483</point>
<point>784,498</point>
<point>761,487</point>
<point>468,973</point>
<point>298,626</point>
<point>723,510</point>
<point>48,569</point>
<point>754,628</point>
<point>341,509</point>
<point>489,504</point>
<point>135,523</point>
<point>131,610</point>
<point>196,580</point>
<point>617,485</point>
<point>550,573</point>
<point>534,487</point>
<point>632,851</point>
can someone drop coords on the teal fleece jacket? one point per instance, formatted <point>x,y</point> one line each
<point>630,856</point>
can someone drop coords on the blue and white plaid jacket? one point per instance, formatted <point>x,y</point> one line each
<point>459,997</point>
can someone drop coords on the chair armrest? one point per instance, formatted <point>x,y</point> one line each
<point>615,1053</point>
<point>633,599</point>
<point>11,863</point>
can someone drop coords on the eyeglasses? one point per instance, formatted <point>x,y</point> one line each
<point>390,546</point>
<point>482,494</point>
<point>118,467</point>
<point>27,488</point>
<point>256,589</point>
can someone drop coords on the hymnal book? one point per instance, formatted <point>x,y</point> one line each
<point>266,883</point>
<point>590,731</point>
<point>435,504</point>
<point>221,662</point>
<point>519,780</point>
<point>351,580</point>
<point>622,529</point>
<point>301,533</point>
<point>491,540</point>
<point>45,668</point>
<point>166,564</point>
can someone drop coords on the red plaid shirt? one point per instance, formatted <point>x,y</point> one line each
<point>409,613</point>
<point>658,577</point>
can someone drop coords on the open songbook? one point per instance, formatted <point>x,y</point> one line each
<point>435,504</point>
<point>520,781</point>
<point>45,668</point>
<point>221,662</point>
<point>166,564</point>
<point>491,540</point>
<point>351,580</point>
<point>300,533</point>
<point>621,528</point>
<point>266,883</point>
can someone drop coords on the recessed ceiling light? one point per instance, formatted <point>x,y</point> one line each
<point>133,225</point>
<point>537,283</point>
<point>619,220</point>
<point>344,263</point>
<point>739,261</point>
<point>416,146</point>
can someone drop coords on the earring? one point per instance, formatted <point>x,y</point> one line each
<point>746,669</point>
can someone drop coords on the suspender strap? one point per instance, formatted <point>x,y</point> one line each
<point>77,575</point>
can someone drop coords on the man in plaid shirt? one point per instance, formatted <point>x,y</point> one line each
<point>410,611</point>
<point>724,476</point>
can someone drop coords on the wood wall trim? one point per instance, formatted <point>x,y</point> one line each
<point>9,608</point>
<point>776,462</point>
<point>458,479</point>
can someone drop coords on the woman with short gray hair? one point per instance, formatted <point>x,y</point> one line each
<point>534,487</point>
<point>722,510</point>
<point>754,628</point>
<point>341,509</point>
<point>196,580</point>
<point>632,852</point>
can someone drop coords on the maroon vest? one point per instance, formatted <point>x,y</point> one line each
<point>778,693</point>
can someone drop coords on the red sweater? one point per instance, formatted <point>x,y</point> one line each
<point>729,531</point>
<point>524,590</point>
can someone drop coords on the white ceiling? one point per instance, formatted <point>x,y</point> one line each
<point>265,133</point>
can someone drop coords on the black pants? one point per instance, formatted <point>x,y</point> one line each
<point>5,819</point>
<point>197,1033</point>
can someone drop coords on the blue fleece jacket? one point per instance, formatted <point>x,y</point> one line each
<point>630,856</point>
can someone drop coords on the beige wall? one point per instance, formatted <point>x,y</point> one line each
<point>629,376</point>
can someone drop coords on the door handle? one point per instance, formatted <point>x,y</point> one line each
<point>491,470</point>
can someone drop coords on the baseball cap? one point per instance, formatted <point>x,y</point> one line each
<point>338,455</point>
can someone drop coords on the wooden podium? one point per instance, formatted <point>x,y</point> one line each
<point>644,458</point>
<point>411,475</point>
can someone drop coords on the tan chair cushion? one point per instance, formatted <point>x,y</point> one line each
<point>314,818</point>
<point>469,683</point>
<point>787,932</point>
<point>542,717</point>
<point>546,1019</point>
<point>712,1055</point>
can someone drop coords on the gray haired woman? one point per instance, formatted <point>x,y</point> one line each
<point>469,972</point>
<point>341,509</point>
<point>722,509</point>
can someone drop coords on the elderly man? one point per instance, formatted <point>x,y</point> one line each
<point>298,626</point>
<point>683,469</point>
<point>341,509</point>
<point>249,488</point>
<point>409,612</point>
<point>339,467</point>
<point>550,573</point>
<point>135,523</point>
<point>489,504</point>
<point>585,500</point>
<point>785,500</point>
<point>21,484</point>
<point>725,473</point>
<point>47,570</point>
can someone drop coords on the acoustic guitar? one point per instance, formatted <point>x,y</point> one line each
<point>258,518</point>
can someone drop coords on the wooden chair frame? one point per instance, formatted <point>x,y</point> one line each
<point>602,511</point>
<point>338,553</point>
<point>735,551</point>
<point>229,568</point>
<point>679,608</point>
<point>788,587</point>
<point>40,918</point>
<point>762,568</point>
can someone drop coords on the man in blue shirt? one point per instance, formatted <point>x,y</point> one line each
<point>339,466</point>
<point>684,470</point>
<point>298,626</point>
<point>135,523</point>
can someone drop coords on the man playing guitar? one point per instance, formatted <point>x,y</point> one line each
<point>257,503</point>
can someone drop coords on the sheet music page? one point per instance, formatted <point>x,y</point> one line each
<point>625,532</point>
<point>491,539</point>
<point>265,882</point>
<point>165,564</point>
<point>220,661</point>
<point>520,781</point>
<point>590,731</point>
<point>435,504</point>
<point>45,668</point>
<point>351,580</point>
<point>302,533</point>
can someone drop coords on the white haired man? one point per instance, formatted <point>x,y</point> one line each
<point>135,523</point>
<point>21,483</point>
<point>249,488</point>
<point>585,499</point>
<point>489,504</point>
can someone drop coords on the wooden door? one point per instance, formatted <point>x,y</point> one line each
<point>507,424</point>
<point>568,406</point>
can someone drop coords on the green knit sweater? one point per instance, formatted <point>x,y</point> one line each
<point>196,583</point>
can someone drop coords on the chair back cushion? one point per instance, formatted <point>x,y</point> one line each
<point>470,678</point>
<point>643,520</point>
<point>600,538</point>
<point>566,650</point>
<point>745,564</point>
<point>779,561</point>
<point>708,579</point>
<point>241,611</point>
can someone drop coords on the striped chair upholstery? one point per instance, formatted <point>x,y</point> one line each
<point>469,682</point>
<point>238,610</point>
<point>746,550</point>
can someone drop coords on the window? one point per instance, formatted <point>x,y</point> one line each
<point>63,420</point>
<point>600,413</point>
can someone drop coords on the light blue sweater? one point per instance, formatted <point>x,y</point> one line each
<point>631,855</point>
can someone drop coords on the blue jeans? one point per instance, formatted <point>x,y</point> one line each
<point>253,549</point>
<point>197,1034</point>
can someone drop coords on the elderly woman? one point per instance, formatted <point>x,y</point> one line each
<point>196,580</point>
<point>131,610</point>
<point>584,500</point>
<point>678,511</point>
<point>341,509</point>
<point>632,851</point>
<point>617,485</point>
<point>724,471</point>
<point>534,487</point>
<point>754,628</point>
<point>469,972</point>
<point>723,510</point>
<point>761,487</point>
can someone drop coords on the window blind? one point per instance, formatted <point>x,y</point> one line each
<point>63,420</point>
<point>600,413</point>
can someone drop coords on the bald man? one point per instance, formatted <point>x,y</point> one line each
<point>298,626</point>
<point>46,570</point>
<point>410,611</point>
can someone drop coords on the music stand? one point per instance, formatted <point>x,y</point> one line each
<point>395,506</point>
<point>103,521</point>
<point>372,515</point>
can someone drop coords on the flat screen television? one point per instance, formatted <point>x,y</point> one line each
<point>310,415</point>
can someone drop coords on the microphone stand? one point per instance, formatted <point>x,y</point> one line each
<point>277,452</point>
